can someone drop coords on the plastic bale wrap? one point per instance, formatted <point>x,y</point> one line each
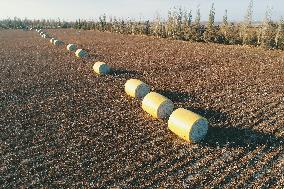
<point>101,68</point>
<point>136,88</point>
<point>81,53</point>
<point>188,125</point>
<point>71,47</point>
<point>58,42</point>
<point>157,105</point>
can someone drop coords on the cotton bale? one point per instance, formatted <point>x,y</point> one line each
<point>45,35</point>
<point>157,105</point>
<point>52,40</point>
<point>101,68</point>
<point>188,125</point>
<point>136,88</point>
<point>71,47</point>
<point>81,53</point>
<point>58,42</point>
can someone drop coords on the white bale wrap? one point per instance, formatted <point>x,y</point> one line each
<point>188,125</point>
<point>157,105</point>
<point>71,47</point>
<point>81,53</point>
<point>58,42</point>
<point>101,68</point>
<point>136,88</point>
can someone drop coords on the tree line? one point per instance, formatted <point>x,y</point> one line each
<point>180,25</point>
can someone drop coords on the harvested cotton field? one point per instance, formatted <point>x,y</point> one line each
<point>63,126</point>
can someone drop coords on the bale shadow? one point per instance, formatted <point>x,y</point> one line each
<point>177,96</point>
<point>123,72</point>
<point>223,133</point>
<point>238,137</point>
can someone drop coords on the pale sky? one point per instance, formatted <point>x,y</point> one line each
<point>145,9</point>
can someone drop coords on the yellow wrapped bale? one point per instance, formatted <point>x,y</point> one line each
<point>71,47</point>
<point>101,68</point>
<point>157,105</point>
<point>45,35</point>
<point>81,53</point>
<point>136,88</point>
<point>52,40</point>
<point>58,42</point>
<point>188,125</point>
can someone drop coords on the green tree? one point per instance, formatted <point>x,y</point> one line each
<point>247,33</point>
<point>266,37</point>
<point>196,29</point>
<point>187,26</point>
<point>225,29</point>
<point>279,38</point>
<point>210,33</point>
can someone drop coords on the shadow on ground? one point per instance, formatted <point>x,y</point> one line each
<point>176,96</point>
<point>124,72</point>
<point>223,132</point>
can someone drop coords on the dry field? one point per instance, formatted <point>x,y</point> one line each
<point>63,126</point>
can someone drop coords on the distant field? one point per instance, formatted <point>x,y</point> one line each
<point>63,126</point>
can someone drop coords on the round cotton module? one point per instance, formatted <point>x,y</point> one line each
<point>52,40</point>
<point>58,42</point>
<point>136,88</point>
<point>157,105</point>
<point>71,47</point>
<point>188,125</point>
<point>81,53</point>
<point>101,68</point>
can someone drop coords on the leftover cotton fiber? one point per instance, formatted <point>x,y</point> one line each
<point>188,125</point>
<point>136,88</point>
<point>101,68</point>
<point>157,105</point>
<point>81,53</point>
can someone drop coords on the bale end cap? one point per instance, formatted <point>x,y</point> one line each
<point>188,125</point>
<point>136,88</point>
<point>157,105</point>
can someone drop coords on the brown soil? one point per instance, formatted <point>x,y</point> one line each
<point>63,126</point>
